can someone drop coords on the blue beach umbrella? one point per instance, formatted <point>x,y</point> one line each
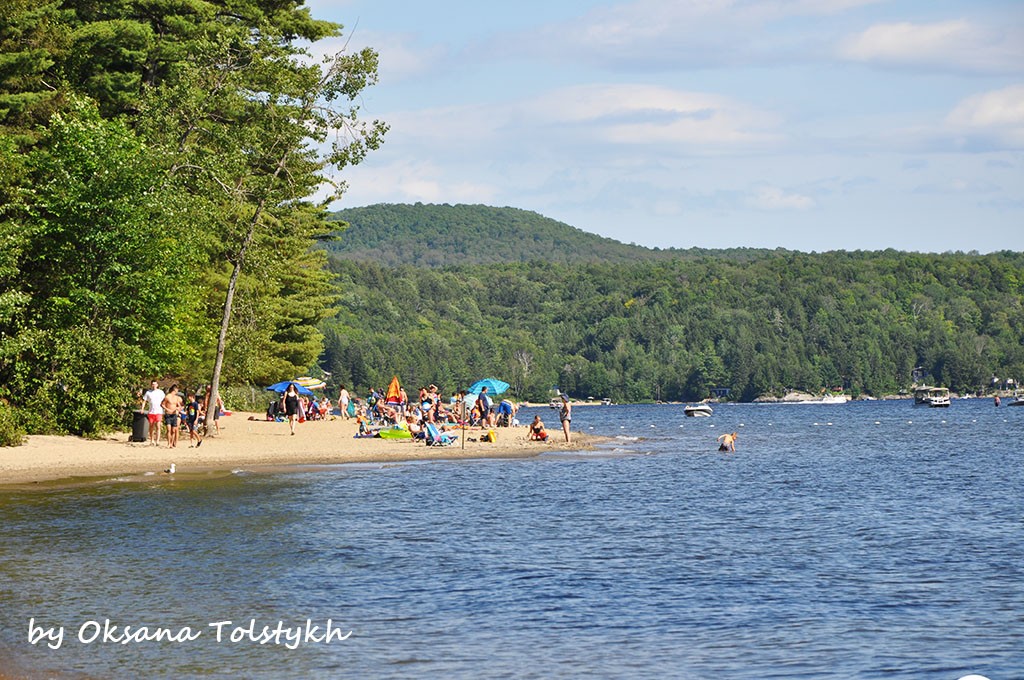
<point>282,386</point>
<point>493,385</point>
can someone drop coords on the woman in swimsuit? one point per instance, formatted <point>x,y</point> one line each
<point>291,405</point>
<point>565,415</point>
<point>537,432</point>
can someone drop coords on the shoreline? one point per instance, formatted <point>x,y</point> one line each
<point>247,441</point>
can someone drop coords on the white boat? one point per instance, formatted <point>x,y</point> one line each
<point>698,410</point>
<point>1018,400</point>
<point>933,397</point>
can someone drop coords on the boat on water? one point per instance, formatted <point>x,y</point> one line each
<point>933,397</point>
<point>698,410</point>
<point>1018,400</point>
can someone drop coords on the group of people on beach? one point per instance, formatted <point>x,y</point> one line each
<point>431,407</point>
<point>461,409</point>
<point>171,408</point>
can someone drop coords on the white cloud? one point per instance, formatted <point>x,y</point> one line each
<point>955,45</point>
<point>997,115</point>
<point>1000,108</point>
<point>643,114</point>
<point>672,34</point>
<point>585,119</point>
<point>412,181</point>
<point>774,198</point>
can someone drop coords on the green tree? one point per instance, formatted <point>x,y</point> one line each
<point>246,121</point>
<point>94,298</point>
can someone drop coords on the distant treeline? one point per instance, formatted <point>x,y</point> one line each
<point>456,235</point>
<point>667,326</point>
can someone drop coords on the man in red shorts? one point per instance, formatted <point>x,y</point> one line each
<point>152,403</point>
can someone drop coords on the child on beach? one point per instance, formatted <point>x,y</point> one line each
<point>192,419</point>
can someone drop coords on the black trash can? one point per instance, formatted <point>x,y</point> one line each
<point>140,426</point>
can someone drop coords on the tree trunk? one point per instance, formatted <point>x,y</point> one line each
<point>225,321</point>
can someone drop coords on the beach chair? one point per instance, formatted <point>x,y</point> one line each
<point>437,438</point>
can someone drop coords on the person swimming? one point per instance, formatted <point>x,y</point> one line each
<point>727,442</point>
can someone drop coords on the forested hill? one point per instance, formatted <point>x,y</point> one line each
<point>444,294</point>
<point>442,235</point>
<point>673,329</point>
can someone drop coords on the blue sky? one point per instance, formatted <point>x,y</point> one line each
<point>810,125</point>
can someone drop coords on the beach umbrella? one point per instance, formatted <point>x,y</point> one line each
<point>493,385</point>
<point>282,386</point>
<point>393,395</point>
<point>310,383</point>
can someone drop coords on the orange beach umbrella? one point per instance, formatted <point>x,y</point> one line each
<point>393,395</point>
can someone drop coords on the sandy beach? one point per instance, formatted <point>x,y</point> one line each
<point>243,443</point>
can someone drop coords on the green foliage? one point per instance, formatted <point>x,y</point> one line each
<point>675,329</point>
<point>32,39</point>
<point>151,152</point>
<point>87,391</point>
<point>11,434</point>
<point>93,296</point>
<point>448,235</point>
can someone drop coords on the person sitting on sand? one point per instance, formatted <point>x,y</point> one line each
<point>728,442</point>
<point>414,426</point>
<point>537,432</point>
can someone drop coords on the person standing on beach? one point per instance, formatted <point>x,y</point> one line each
<point>153,400</point>
<point>172,415</point>
<point>192,418</point>
<point>218,408</point>
<point>291,405</point>
<point>343,399</point>
<point>565,415</point>
<point>483,403</point>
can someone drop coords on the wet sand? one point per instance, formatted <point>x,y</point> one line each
<point>255,445</point>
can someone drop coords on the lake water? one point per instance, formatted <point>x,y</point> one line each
<point>866,540</point>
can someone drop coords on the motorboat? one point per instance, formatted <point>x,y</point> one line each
<point>1018,400</point>
<point>698,410</point>
<point>933,397</point>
